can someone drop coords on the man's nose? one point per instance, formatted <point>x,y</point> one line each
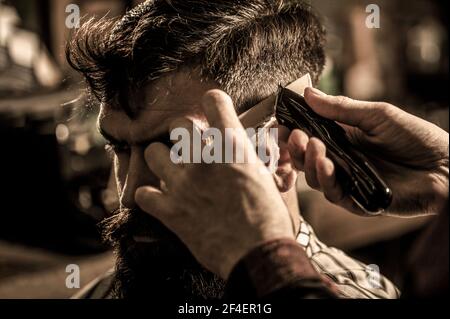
<point>138,174</point>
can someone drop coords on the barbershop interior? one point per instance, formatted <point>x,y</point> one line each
<point>57,180</point>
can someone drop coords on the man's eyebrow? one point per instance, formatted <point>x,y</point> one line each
<point>162,138</point>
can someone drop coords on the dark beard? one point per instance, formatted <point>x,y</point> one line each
<point>160,267</point>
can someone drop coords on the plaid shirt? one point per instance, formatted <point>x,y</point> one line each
<point>352,278</point>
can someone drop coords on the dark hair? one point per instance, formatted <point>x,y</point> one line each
<point>248,47</point>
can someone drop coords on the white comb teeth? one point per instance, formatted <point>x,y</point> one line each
<point>263,113</point>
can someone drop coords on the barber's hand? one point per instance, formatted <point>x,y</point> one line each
<point>220,211</point>
<point>410,154</point>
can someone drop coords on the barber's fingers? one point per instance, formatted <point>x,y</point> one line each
<point>154,202</point>
<point>220,113</point>
<point>310,157</point>
<point>179,123</point>
<point>219,110</point>
<point>332,190</point>
<point>184,129</point>
<point>297,143</point>
<point>315,150</point>
<point>326,176</point>
<point>157,156</point>
<point>364,115</point>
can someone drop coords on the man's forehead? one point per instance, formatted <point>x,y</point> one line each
<point>172,96</point>
<point>179,90</point>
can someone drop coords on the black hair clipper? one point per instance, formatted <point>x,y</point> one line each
<point>354,172</point>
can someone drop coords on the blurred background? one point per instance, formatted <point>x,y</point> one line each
<point>56,177</point>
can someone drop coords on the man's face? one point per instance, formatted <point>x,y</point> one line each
<point>139,238</point>
<point>171,97</point>
<point>148,254</point>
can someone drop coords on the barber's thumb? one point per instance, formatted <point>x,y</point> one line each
<point>153,202</point>
<point>337,108</point>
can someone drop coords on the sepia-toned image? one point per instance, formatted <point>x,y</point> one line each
<point>226,156</point>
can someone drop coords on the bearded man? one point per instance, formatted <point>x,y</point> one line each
<point>152,67</point>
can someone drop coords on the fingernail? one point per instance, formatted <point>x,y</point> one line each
<point>315,91</point>
<point>139,194</point>
<point>216,97</point>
